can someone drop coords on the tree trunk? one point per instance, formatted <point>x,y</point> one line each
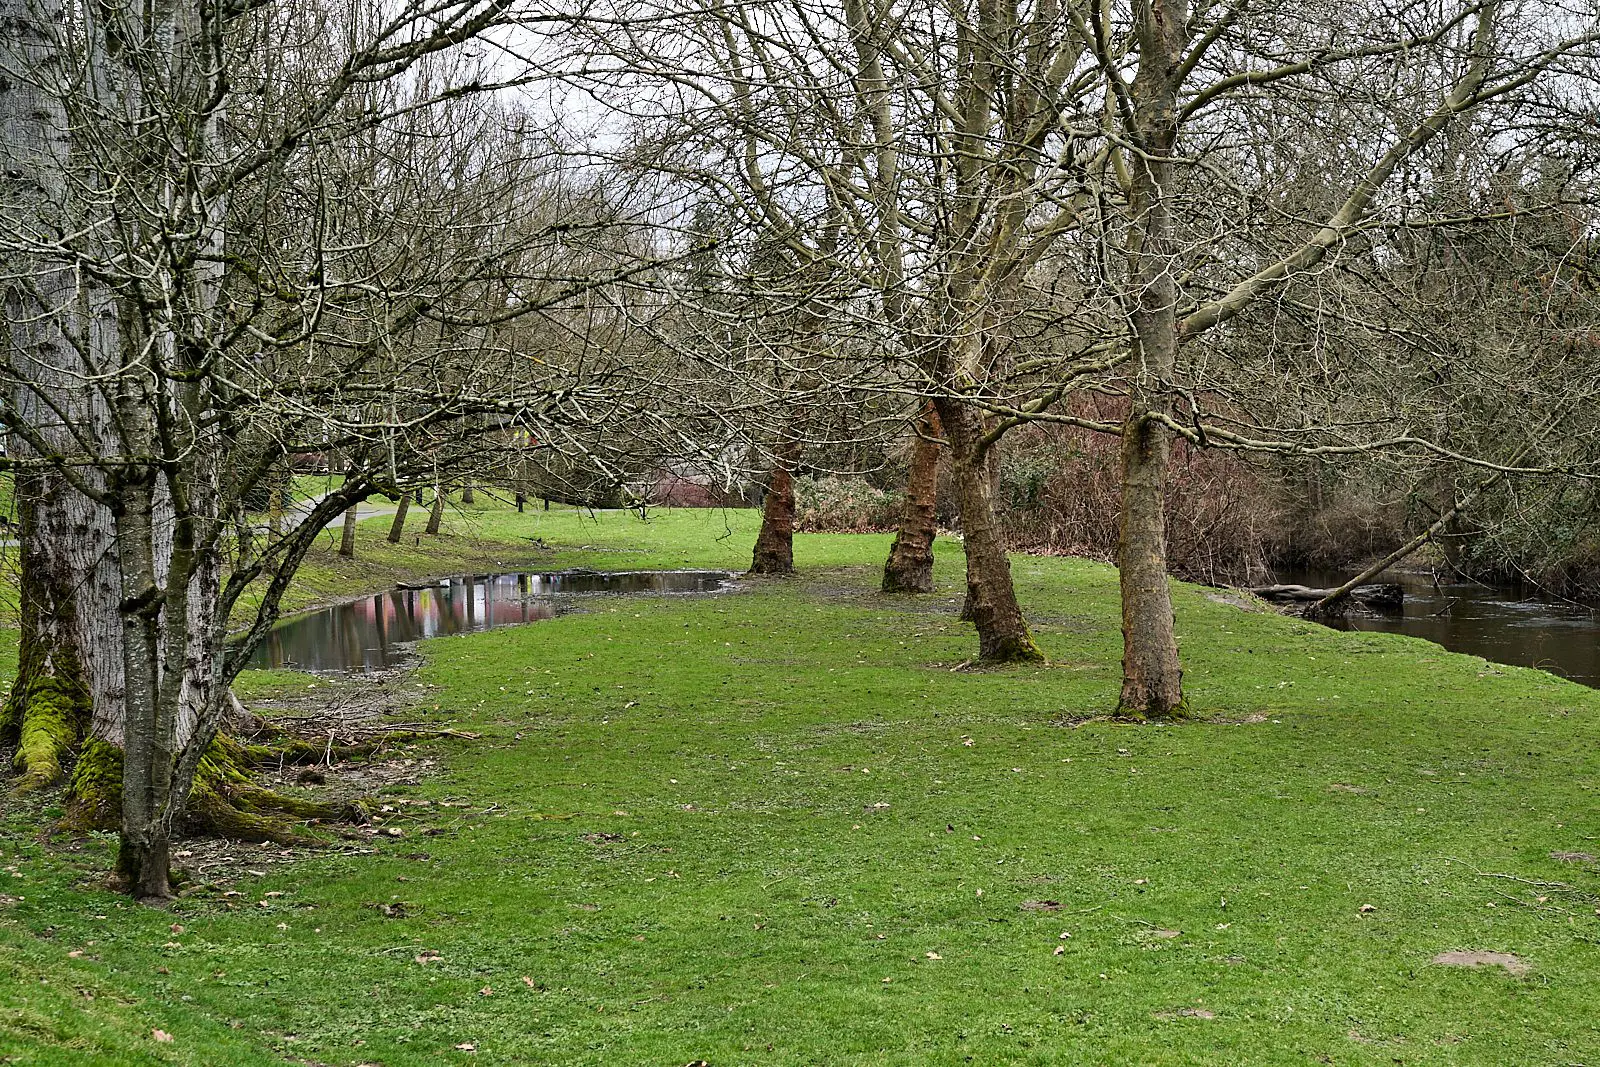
<point>398,526</point>
<point>910,565</point>
<point>347,537</point>
<point>69,679</point>
<point>774,551</point>
<point>46,712</point>
<point>436,516</point>
<point>466,494</point>
<point>143,855</point>
<point>1152,680</point>
<point>1003,635</point>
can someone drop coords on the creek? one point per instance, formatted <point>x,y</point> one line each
<point>374,632</point>
<point>1507,625</point>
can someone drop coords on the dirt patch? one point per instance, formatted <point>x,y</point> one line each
<point>1572,857</point>
<point>1514,965</point>
<point>340,703</point>
<point>1235,602</point>
<point>1346,787</point>
<point>1040,905</point>
<point>1185,1013</point>
<point>335,711</point>
<point>1255,718</point>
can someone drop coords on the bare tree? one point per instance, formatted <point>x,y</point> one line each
<point>206,274</point>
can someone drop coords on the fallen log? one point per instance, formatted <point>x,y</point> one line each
<point>1383,595</point>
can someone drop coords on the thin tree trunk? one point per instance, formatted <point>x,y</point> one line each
<point>1003,635</point>
<point>910,565</point>
<point>143,854</point>
<point>774,551</point>
<point>436,516</point>
<point>347,537</point>
<point>398,526</point>
<point>1152,679</point>
<point>466,494</point>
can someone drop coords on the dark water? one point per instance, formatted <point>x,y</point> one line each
<point>1513,626</point>
<point>366,634</point>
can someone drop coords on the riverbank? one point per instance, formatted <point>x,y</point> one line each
<point>780,827</point>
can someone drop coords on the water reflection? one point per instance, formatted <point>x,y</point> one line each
<point>366,634</point>
<point>1504,625</point>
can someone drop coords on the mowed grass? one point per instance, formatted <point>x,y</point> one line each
<point>776,827</point>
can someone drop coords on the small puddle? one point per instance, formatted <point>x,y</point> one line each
<point>369,634</point>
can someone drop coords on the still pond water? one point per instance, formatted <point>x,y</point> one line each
<point>1519,627</point>
<point>1506,626</point>
<point>369,634</point>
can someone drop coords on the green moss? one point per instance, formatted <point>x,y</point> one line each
<point>51,714</point>
<point>94,795</point>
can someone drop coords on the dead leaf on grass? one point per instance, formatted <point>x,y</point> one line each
<point>161,1035</point>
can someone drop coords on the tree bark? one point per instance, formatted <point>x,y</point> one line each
<point>398,526</point>
<point>909,568</point>
<point>46,712</point>
<point>774,551</point>
<point>436,515</point>
<point>69,679</point>
<point>143,854</point>
<point>466,494</point>
<point>1152,679</point>
<point>347,536</point>
<point>1003,635</point>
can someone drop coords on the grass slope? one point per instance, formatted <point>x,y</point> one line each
<point>774,827</point>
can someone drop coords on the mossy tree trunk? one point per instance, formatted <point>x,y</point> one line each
<point>910,565</point>
<point>774,551</point>
<point>47,710</point>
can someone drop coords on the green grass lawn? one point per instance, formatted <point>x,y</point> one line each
<point>775,827</point>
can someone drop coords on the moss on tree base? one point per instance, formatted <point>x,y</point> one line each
<point>46,718</point>
<point>223,801</point>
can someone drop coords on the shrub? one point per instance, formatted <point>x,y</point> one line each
<point>844,505</point>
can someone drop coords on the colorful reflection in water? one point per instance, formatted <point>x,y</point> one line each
<point>368,634</point>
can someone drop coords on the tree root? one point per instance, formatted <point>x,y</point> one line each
<point>49,721</point>
<point>223,802</point>
<point>45,718</point>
